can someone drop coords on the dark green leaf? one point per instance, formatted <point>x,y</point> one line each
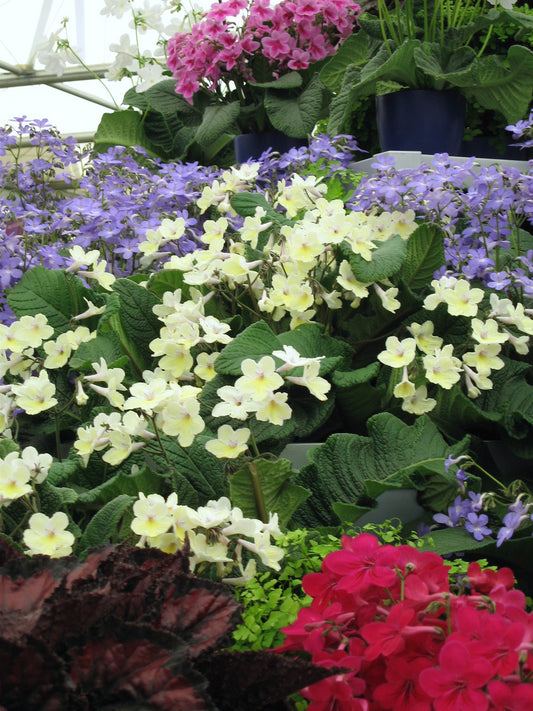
<point>296,114</point>
<point>50,292</point>
<point>217,120</point>
<point>342,465</point>
<point>139,325</point>
<point>103,527</point>
<point>254,342</point>
<point>425,254</point>
<point>280,495</point>
<point>386,260</point>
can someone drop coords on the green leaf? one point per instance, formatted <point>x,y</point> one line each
<point>350,378</point>
<point>7,446</point>
<point>107,347</point>
<point>511,398</point>
<point>310,341</point>
<point>503,86</point>
<point>280,495</point>
<point>453,540</point>
<point>296,114</point>
<point>103,526</point>
<point>54,498</point>
<point>217,120</point>
<point>386,260</point>
<point>145,480</point>
<point>354,51</point>
<point>292,80</point>
<point>425,254</point>
<point>246,203</point>
<point>167,135</point>
<point>439,486</point>
<point>356,396</point>
<point>342,465</point>
<point>161,97</point>
<point>456,413</point>
<point>50,292</point>
<point>344,103</point>
<point>256,341</point>
<point>120,128</point>
<point>63,472</point>
<point>167,280</point>
<point>197,475</point>
<point>138,323</point>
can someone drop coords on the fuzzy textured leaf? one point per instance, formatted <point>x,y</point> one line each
<point>354,51</point>
<point>425,254</point>
<point>138,322</point>
<point>310,341</point>
<point>280,494</point>
<point>217,120</point>
<point>341,466</point>
<point>256,341</point>
<point>50,292</point>
<point>144,480</point>
<point>198,476</point>
<point>386,260</point>
<point>120,128</point>
<point>106,346</point>
<point>296,114</point>
<point>104,524</point>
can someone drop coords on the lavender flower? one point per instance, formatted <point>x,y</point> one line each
<point>477,525</point>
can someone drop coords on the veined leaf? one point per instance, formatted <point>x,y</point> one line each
<point>256,341</point>
<point>103,526</point>
<point>386,260</point>
<point>296,114</point>
<point>342,465</point>
<point>50,292</point>
<point>217,120</point>
<point>280,495</point>
<point>425,254</point>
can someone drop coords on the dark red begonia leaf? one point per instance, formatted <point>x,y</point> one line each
<point>8,552</point>
<point>250,681</point>
<point>200,612</point>
<point>21,603</point>
<point>32,679</point>
<point>136,664</point>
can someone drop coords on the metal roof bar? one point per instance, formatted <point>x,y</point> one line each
<point>28,78</point>
<point>23,77</point>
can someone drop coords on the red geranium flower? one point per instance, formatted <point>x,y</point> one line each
<point>456,684</point>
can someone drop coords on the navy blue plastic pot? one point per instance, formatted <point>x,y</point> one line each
<point>252,145</point>
<point>421,120</point>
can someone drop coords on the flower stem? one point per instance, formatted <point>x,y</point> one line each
<point>258,492</point>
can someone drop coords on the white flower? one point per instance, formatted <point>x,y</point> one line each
<point>115,8</point>
<point>150,75</point>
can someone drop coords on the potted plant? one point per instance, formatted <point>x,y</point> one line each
<point>424,46</point>
<point>248,68</point>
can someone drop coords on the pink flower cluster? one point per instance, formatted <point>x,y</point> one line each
<point>235,36</point>
<point>387,615</point>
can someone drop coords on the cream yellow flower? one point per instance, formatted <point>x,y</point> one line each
<point>35,394</point>
<point>48,536</point>
<point>151,515</point>
<point>258,378</point>
<point>398,354</point>
<point>230,443</point>
<point>442,367</point>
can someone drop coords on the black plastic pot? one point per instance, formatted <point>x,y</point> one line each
<point>421,120</point>
<point>252,145</point>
